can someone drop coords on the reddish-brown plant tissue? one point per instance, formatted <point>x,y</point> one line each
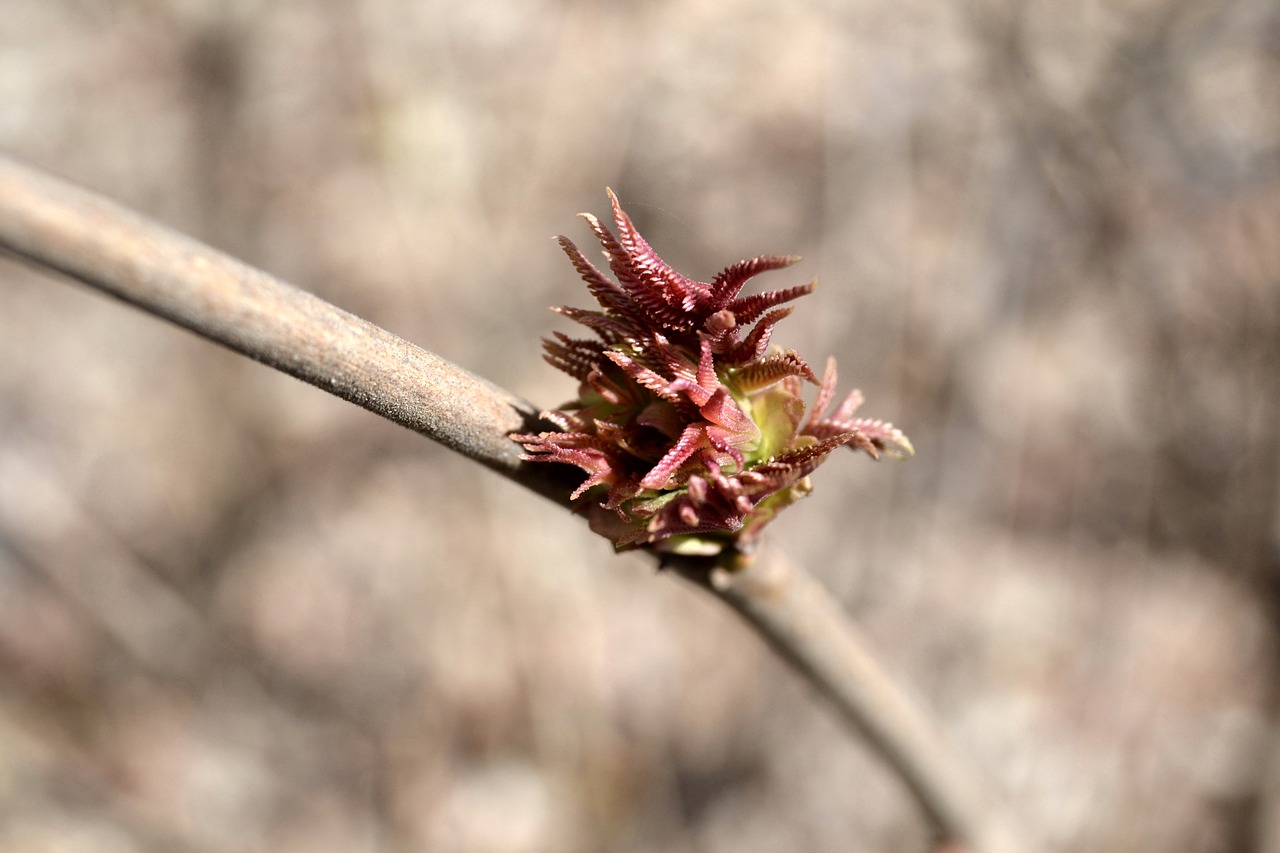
<point>690,427</point>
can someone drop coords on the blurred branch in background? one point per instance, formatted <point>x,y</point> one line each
<point>56,225</point>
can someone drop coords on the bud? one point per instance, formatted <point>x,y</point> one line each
<point>691,429</point>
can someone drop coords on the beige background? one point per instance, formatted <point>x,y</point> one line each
<point>237,614</point>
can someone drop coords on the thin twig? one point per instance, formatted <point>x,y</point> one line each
<point>807,627</point>
<point>59,226</point>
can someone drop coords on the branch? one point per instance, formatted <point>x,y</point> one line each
<point>807,627</point>
<point>58,226</point>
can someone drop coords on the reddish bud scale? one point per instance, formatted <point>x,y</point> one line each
<point>687,423</point>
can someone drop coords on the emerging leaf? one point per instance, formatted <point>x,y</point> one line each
<point>689,426</point>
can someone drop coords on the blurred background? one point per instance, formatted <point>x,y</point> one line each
<point>238,614</point>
